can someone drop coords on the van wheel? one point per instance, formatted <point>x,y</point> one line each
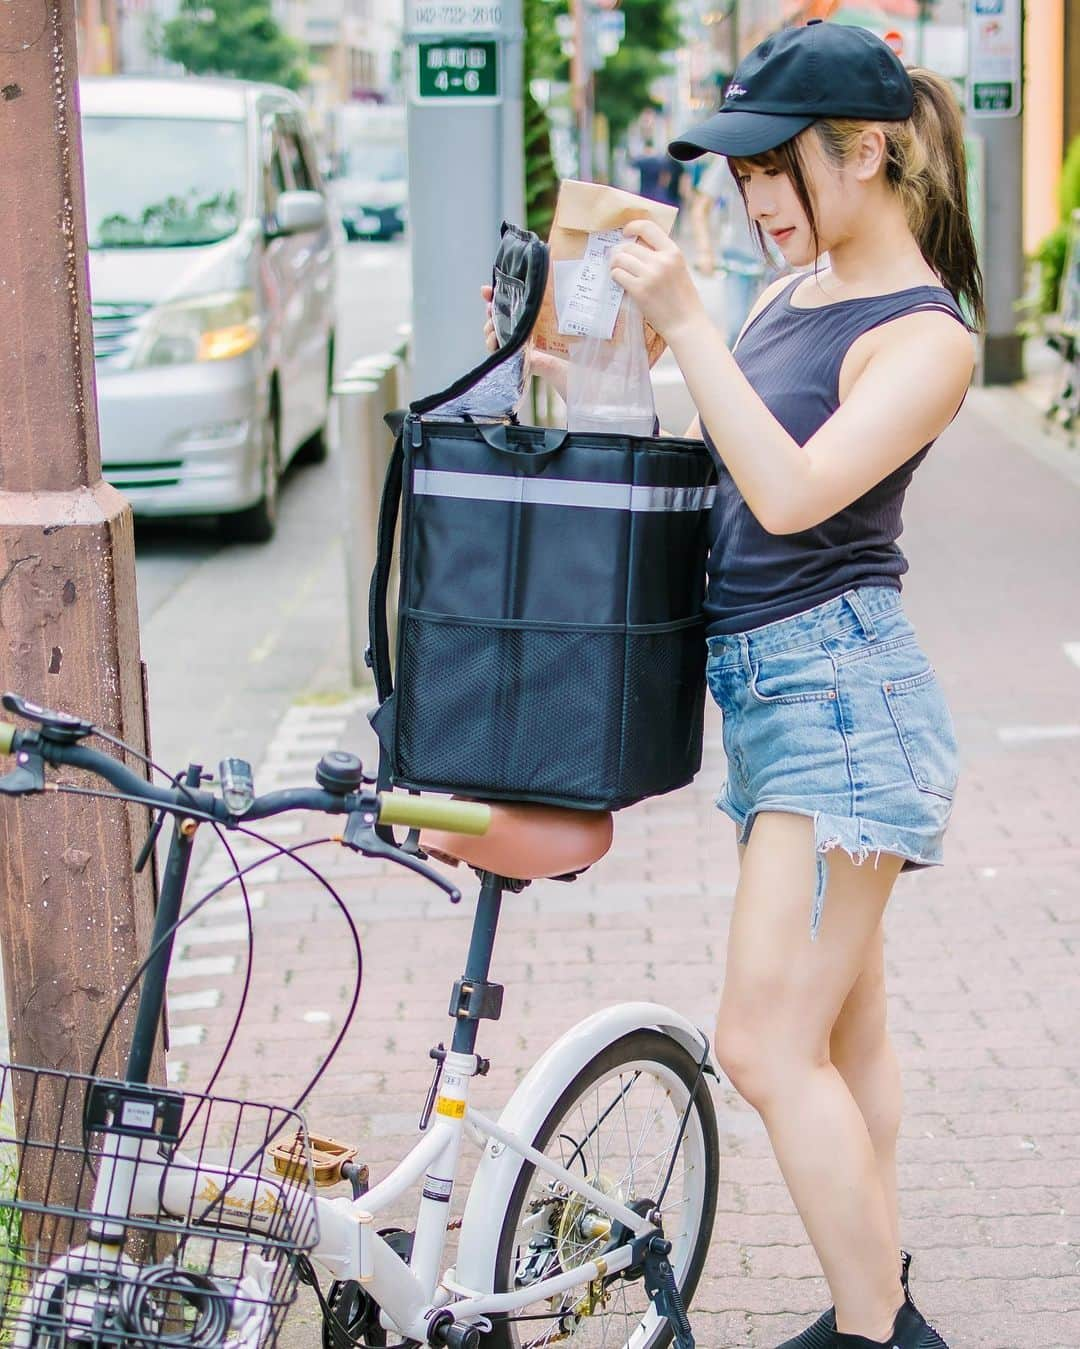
<point>257,523</point>
<point>317,447</point>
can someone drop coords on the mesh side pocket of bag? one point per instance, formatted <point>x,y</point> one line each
<point>591,718</point>
<point>523,713</point>
<point>665,709</point>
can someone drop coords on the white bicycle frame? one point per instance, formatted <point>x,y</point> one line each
<point>136,1180</point>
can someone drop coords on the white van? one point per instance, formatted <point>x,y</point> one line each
<point>212,266</point>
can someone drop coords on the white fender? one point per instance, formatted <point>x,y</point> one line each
<point>529,1106</point>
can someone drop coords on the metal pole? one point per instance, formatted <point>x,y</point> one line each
<point>73,919</point>
<point>466,171</point>
<point>1002,132</point>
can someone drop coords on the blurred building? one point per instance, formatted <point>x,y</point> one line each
<point>353,46</point>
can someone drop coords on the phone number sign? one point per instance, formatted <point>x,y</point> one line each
<point>443,17</point>
<point>457,70</point>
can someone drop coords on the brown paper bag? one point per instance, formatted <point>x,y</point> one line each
<point>581,209</point>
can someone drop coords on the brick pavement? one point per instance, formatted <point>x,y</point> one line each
<point>983,955</point>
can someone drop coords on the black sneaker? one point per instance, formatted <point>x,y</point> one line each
<point>911,1330</point>
<point>822,1334</point>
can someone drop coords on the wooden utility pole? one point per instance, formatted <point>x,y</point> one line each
<point>73,921</point>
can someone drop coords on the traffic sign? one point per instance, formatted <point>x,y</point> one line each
<point>457,70</point>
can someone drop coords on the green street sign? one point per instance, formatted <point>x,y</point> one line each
<point>458,69</point>
<point>996,96</point>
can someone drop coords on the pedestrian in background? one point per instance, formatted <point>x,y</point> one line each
<point>659,175</point>
<point>842,761</point>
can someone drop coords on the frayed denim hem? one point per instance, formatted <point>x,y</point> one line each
<point>858,837</point>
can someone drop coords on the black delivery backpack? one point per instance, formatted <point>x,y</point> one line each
<point>550,642</point>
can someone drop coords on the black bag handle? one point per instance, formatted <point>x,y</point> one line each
<point>525,459</point>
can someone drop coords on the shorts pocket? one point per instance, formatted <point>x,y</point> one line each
<point>926,733</point>
<point>807,675</point>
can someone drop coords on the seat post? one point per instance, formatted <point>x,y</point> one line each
<point>474,998</point>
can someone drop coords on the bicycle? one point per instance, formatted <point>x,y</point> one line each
<point>590,1212</point>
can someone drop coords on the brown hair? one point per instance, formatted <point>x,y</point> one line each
<point>925,165</point>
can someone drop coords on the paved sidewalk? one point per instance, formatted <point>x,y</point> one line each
<point>983,955</point>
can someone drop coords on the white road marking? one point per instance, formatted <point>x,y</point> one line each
<point>227,904</point>
<point>181,1037</point>
<point>213,933</point>
<point>1018,735</point>
<point>316,1018</point>
<point>175,1070</point>
<point>199,1001</point>
<point>212,874</point>
<point>202,966</point>
<point>1072,650</point>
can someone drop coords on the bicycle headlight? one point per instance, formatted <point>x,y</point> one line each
<point>205,328</point>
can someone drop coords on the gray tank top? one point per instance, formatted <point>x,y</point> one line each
<point>792,358</point>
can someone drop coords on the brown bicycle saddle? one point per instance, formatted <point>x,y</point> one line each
<point>527,842</point>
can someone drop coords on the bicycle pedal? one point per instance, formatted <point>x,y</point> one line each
<point>326,1156</point>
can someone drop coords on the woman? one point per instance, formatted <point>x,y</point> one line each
<point>841,754</point>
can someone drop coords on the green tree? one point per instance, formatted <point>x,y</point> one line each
<point>1050,254</point>
<point>624,81</point>
<point>233,37</point>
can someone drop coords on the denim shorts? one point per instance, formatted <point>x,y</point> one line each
<point>836,713</point>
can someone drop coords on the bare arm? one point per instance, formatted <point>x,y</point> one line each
<point>879,426</point>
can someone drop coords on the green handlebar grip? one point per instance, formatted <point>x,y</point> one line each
<point>7,736</point>
<point>425,812</point>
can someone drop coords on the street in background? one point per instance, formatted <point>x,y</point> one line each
<point>368,175</point>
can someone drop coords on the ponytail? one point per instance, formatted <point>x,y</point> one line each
<point>926,166</point>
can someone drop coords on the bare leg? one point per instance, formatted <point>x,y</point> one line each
<point>863,1054</point>
<point>782,997</point>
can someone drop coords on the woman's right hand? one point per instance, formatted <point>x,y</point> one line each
<point>551,369</point>
<point>490,340</point>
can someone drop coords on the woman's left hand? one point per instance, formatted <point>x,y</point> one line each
<point>651,269</point>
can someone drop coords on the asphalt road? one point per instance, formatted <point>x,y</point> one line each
<point>232,633</point>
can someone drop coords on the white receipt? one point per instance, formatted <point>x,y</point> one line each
<point>590,299</point>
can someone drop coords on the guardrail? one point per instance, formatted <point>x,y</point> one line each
<point>363,395</point>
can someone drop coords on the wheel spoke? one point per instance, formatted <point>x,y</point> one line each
<point>620,1134</point>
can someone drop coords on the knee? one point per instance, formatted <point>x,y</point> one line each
<point>761,1057</point>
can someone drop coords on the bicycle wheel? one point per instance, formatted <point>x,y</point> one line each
<point>617,1123</point>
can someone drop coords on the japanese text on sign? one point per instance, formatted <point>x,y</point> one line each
<point>994,62</point>
<point>457,70</point>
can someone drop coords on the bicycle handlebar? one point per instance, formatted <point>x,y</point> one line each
<point>459,817</point>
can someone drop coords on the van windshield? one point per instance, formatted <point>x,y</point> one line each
<point>159,182</point>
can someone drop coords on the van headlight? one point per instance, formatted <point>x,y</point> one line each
<point>206,328</point>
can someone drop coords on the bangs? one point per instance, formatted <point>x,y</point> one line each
<point>778,158</point>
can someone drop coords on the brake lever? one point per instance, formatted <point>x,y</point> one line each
<point>361,837</point>
<point>28,776</point>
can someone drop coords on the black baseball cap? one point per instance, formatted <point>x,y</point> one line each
<point>797,77</point>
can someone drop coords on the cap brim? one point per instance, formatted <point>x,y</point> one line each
<point>740,133</point>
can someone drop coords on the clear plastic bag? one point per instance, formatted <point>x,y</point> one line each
<point>607,380</point>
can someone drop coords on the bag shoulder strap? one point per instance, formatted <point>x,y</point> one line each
<point>378,629</point>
